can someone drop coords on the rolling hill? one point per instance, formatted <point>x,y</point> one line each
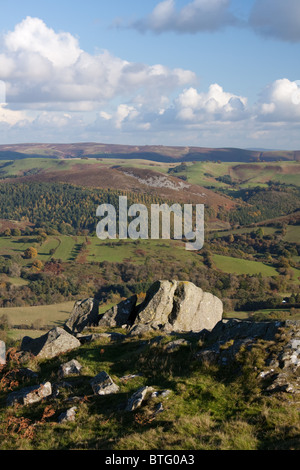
<point>117,177</point>
<point>147,152</point>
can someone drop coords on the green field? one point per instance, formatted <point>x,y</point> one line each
<point>241,231</point>
<point>67,248</point>
<point>293,234</point>
<point>232,265</point>
<point>245,174</point>
<point>137,251</point>
<point>39,316</point>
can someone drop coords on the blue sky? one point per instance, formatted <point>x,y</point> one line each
<point>211,73</point>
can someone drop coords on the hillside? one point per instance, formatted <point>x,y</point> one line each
<point>158,153</point>
<point>233,388</point>
<point>138,180</point>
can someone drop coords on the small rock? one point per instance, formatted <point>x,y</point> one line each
<point>281,383</point>
<point>266,373</point>
<point>159,408</point>
<point>29,395</point>
<point>176,344</point>
<point>71,367</point>
<point>102,384</point>
<point>130,376</point>
<point>68,415</point>
<point>138,397</point>
<point>164,393</point>
<point>96,336</point>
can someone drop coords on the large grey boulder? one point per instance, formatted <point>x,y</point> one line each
<point>53,343</point>
<point>84,313</point>
<point>177,306</point>
<point>119,315</point>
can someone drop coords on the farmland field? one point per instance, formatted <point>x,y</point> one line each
<point>245,174</point>
<point>293,234</point>
<point>229,264</point>
<point>67,248</point>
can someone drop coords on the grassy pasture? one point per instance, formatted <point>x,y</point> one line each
<point>245,174</point>
<point>36,317</point>
<point>241,231</point>
<point>293,234</point>
<point>229,264</point>
<point>136,251</point>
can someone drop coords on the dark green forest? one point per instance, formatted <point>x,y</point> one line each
<point>63,207</point>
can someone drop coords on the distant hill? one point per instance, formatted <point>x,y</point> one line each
<point>136,180</point>
<point>159,153</point>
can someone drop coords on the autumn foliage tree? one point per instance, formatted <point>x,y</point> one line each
<point>30,253</point>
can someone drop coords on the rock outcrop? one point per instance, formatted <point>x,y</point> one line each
<point>282,360</point>
<point>176,306</point>
<point>169,306</point>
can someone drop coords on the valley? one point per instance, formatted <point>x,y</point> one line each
<point>48,204</point>
<point>50,257</point>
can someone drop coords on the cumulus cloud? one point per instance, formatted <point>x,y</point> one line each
<point>216,104</point>
<point>45,69</point>
<point>277,18</point>
<point>53,86</point>
<point>32,35</point>
<point>280,101</point>
<point>197,15</point>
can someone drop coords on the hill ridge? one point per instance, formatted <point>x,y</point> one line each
<point>162,153</point>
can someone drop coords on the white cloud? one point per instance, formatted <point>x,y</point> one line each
<point>277,18</point>
<point>216,104</point>
<point>7,116</point>
<point>33,36</point>
<point>197,15</point>
<point>43,69</point>
<point>125,112</point>
<point>280,102</point>
<point>57,91</point>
